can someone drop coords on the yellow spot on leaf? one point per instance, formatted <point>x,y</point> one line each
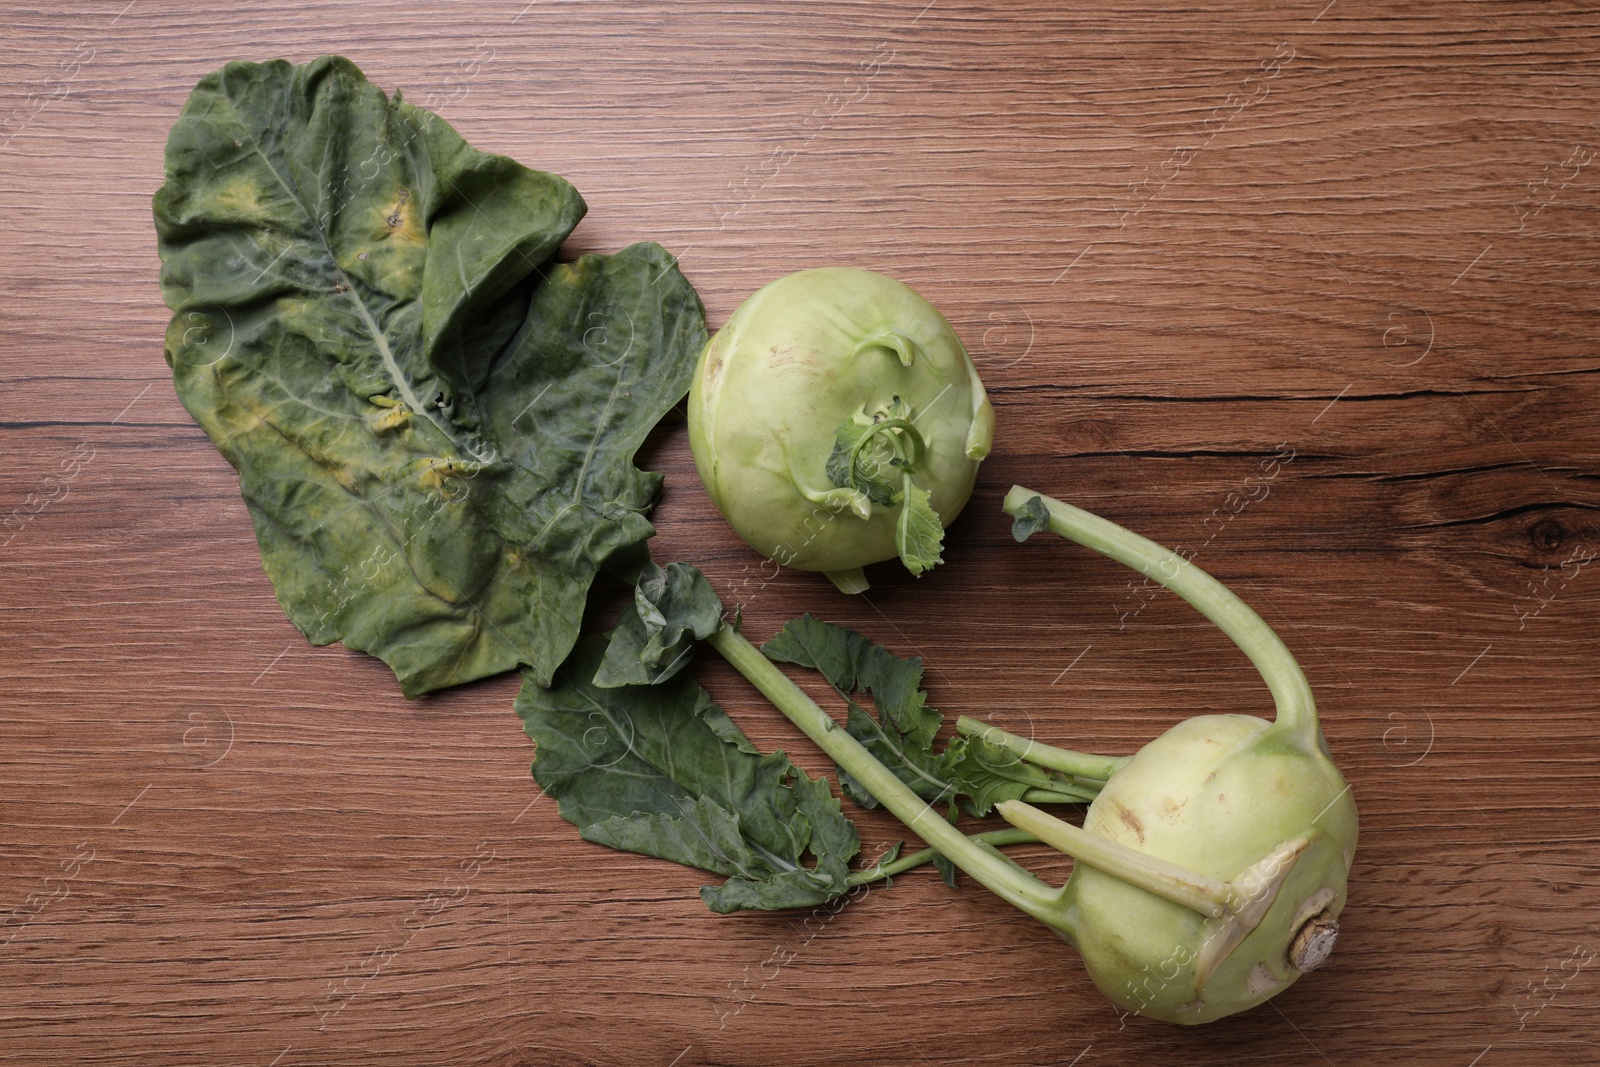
<point>342,476</point>
<point>434,472</point>
<point>240,197</point>
<point>392,419</point>
<point>400,220</point>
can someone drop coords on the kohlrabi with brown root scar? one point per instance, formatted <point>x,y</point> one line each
<point>1211,866</point>
<point>1211,869</point>
<point>837,421</point>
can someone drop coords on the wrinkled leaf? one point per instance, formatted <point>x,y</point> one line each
<point>627,661</point>
<point>673,606</point>
<point>433,423</point>
<point>661,770</point>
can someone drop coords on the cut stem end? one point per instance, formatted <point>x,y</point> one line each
<point>1314,943</point>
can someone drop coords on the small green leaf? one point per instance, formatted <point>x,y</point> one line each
<point>988,774</point>
<point>1033,518</point>
<point>662,771</point>
<point>918,533</point>
<point>946,869</point>
<point>869,472</point>
<point>903,733</point>
<point>674,601</point>
<point>901,736</point>
<point>628,659</point>
<point>877,455</point>
<point>673,607</point>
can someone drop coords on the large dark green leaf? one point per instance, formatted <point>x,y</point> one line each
<point>661,770</point>
<point>434,423</point>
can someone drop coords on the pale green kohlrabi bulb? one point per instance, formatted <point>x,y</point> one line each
<point>837,421</point>
<point>1231,799</point>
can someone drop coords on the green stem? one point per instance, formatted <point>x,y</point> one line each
<point>903,347</point>
<point>883,426</point>
<point>993,870</point>
<point>992,838</point>
<point>1076,793</point>
<point>1297,710</point>
<point>852,581</point>
<point>1077,764</point>
<point>1193,890</point>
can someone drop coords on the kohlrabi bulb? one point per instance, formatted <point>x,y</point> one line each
<point>1233,799</point>
<point>837,421</point>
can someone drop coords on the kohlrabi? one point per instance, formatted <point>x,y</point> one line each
<point>836,421</point>
<point>1211,867</point>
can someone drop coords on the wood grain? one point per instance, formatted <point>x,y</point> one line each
<point>1179,240</point>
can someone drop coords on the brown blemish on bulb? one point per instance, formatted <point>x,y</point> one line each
<point>1131,821</point>
<point>781,356</point>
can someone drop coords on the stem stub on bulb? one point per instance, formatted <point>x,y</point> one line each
<point>1313,945</point>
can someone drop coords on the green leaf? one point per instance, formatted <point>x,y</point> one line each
<point>434,424</point>
<point>873,466</point>
<point>627,660</point>
<point>901,736</point>
<point>1033,518</point>
<point>871,471</point>
<point>876,455</point>
<point>675,603</point>
<point>988,774</point>
<point>662,771</point>
<point>673,606</point>
<point>918,533</point>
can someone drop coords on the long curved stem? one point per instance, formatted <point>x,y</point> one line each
<point>1002,877</point>
<point>1297,709</point>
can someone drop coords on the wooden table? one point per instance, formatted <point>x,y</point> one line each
<point>1179,242</point>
